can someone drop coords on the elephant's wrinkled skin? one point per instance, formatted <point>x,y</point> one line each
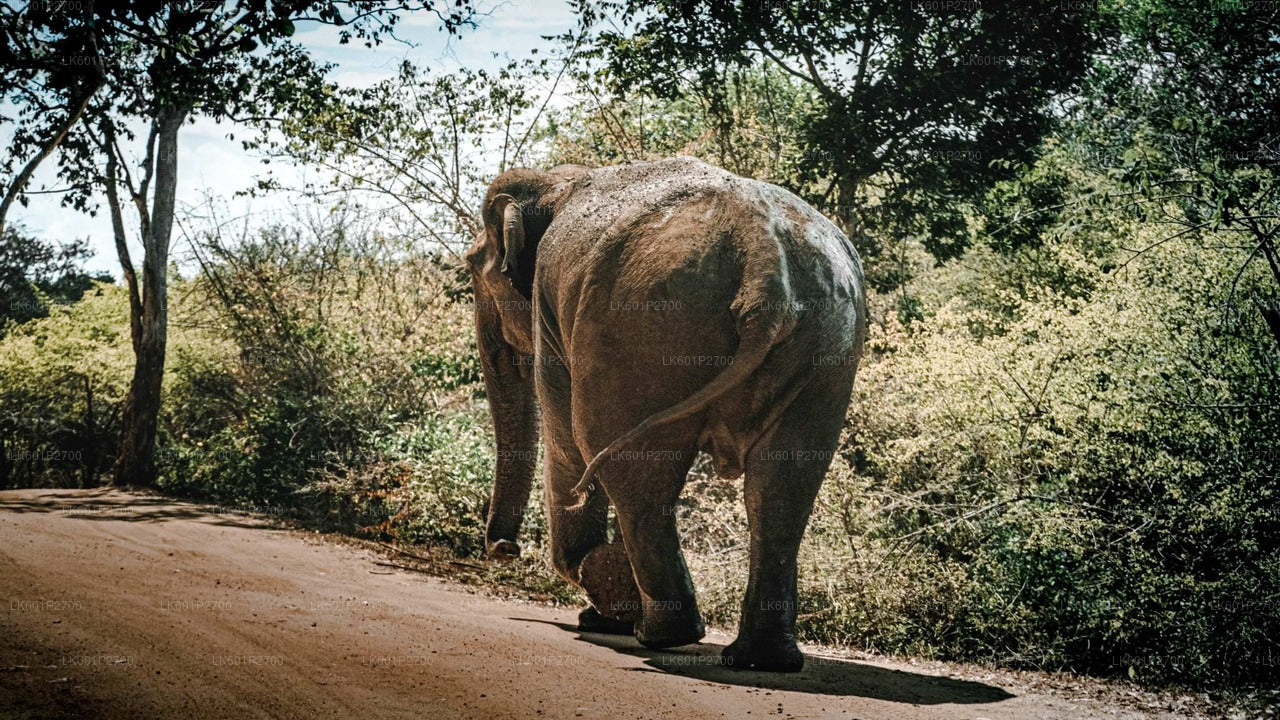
<point>656,310</point>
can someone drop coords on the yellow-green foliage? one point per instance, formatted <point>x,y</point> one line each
<point>350,357</point>
<point>61,377</point>
<point>1094,487</point>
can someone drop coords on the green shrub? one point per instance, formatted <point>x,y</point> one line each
<point>328,392</point>
<point>62,378</point>
<point>1091,485</point>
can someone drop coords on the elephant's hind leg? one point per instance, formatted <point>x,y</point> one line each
<point>782,479</point>
<point>645,485</point>
<point>580,552</point>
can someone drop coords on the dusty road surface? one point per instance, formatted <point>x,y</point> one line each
<point>117,605</point>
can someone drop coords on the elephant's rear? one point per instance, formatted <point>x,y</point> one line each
<point>704,299</point>
<point>807,280</point>
<point>676,308</point>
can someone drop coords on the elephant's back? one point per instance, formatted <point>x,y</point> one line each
<point>626,203</point>
<point>649,235</point>
<point>682,231</point>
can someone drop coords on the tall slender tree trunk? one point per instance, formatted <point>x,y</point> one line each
<point>135,463</point>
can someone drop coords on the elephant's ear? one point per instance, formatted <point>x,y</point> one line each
<point>511,234</point>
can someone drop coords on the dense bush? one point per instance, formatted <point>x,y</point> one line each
<point>62,378</point>
<point>1093,487</point>
<point>343,384</point>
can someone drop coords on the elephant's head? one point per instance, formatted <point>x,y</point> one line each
<point>517,210</point>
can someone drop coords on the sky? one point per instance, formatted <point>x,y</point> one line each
<point>211,164</point>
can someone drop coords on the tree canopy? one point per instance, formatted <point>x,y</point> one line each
<point>913,101</point>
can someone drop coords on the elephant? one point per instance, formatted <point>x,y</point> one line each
<point>634,316</point>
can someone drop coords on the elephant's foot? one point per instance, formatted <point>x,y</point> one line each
<point>605,574</point>
<point>668,623</point>
<point>777,653</point>
<point>503,550</point>
<point>591,621</point>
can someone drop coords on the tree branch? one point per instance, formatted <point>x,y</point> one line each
<point>19,182</point>
<point>122,245</point>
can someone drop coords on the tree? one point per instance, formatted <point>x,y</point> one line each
<point>754,131</point>
<point>35,273</point>
<point>914,100</point>
<point>424,145</point>
<point>158,65</point>
<point>1181,113</point>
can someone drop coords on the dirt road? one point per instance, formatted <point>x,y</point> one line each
<point>116,605</point>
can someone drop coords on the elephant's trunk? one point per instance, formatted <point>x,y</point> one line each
<point>516,427</point>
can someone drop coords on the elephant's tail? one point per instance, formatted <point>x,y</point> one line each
<point>760,329</point>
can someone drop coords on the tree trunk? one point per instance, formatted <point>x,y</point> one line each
<point>846,214</point>
<point>91,448</point>
<point>135,463</point>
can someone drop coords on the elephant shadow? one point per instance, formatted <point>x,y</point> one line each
<point>821,675</point>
